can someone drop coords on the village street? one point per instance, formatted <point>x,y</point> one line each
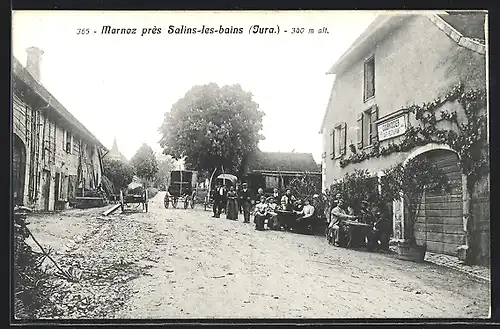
<point>176,263</point>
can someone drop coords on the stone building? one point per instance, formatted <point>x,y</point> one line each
<point>397,64</point>
<point>55,158</point>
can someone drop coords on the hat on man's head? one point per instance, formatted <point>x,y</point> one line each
<point>244,184</point>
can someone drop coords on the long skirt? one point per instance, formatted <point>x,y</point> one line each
<point>232,210</point>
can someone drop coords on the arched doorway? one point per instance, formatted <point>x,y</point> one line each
<point>443,211</point>
<point>18,169</point>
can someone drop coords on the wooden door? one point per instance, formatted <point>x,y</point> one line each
<point>443,210</point>
<point>46,189</point>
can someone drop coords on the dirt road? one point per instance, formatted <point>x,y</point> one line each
<point>176,263</point>
<point>213,268</point>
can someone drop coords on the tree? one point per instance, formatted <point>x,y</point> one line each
<point>165,165</point>
<point>305,186</point>
<point>211,127</point>
<point>409,181</point>
<point>119,173</point>
<point>354,188</point>
<point>144,162</point>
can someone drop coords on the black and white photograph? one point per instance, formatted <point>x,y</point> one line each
<point>204,165</point>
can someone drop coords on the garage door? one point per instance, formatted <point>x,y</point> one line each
<point>442,210</point>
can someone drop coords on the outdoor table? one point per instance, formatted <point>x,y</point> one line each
<point>286,218</point>
<point>357,232</point>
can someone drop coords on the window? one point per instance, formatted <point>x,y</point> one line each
<point>369,79</point>
<point>340,142</point>
<point>271,182</point>
<point>67,141</point>
<point>367,127</point>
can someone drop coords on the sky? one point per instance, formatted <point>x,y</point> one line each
<point>120,86</point>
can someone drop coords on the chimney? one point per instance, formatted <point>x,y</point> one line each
<point>33,62</point>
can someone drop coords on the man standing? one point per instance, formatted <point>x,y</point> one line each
<point>219,198</point>
<point>245,199</point>
<point>336,227</point>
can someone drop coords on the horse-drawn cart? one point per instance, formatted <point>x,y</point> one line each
<point>182,188</point>
<point>134,194</point>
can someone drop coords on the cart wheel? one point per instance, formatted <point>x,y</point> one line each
<point>146,199</point>
<point>186,202</point>
<point>121,201</point>
<point>192,203</point>
<point>166,201</point>
<point>174,202</point>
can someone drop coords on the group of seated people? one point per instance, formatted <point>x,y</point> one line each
<point>268,208</point>
<point>377,228</point>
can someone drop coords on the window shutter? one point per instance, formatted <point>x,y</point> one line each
<point>64,139</point>
<point>58,186</point>
<point>332,139</point>
<point>70,146</point>
<point>343,138</point>
<point>374,125</point>
<point>360,131</point>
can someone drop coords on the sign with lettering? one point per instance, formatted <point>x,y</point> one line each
<point>392,128</point>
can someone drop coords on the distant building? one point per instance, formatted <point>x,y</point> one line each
<point>115,154</point>
<point>55,157</point>
<point>399,61</point>
<point>270,170</point>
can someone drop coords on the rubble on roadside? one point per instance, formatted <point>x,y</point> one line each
<point>103,260</point>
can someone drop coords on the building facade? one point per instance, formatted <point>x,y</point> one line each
<point>373,121</point>
<point>269,170</point>
<point>55,158</point>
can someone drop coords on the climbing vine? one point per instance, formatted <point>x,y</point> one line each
<point>468,139</point>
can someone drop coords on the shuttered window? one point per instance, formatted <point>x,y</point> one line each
<point>343,138</point>
<point>340,141</point>
<point>369,79</point>
<point>360,130</point>
<point>373,118</point>
<point>367,127</point>
<point>332,144</point>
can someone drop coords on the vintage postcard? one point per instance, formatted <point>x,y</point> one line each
<point>250,165</point>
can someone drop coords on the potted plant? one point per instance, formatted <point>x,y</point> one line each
<point>408,182</point>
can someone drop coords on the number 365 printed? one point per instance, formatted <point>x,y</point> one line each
<point>82,31</point>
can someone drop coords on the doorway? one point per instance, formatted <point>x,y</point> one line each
<point>18,169</point>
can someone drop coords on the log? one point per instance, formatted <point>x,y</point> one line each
<point>111,210</point>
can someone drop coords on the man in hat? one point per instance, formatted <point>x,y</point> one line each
<point>219,198</point>
<point>245,200</point>
<point>336,228</point>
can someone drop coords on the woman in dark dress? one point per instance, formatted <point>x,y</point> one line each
<point>232,205</point>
